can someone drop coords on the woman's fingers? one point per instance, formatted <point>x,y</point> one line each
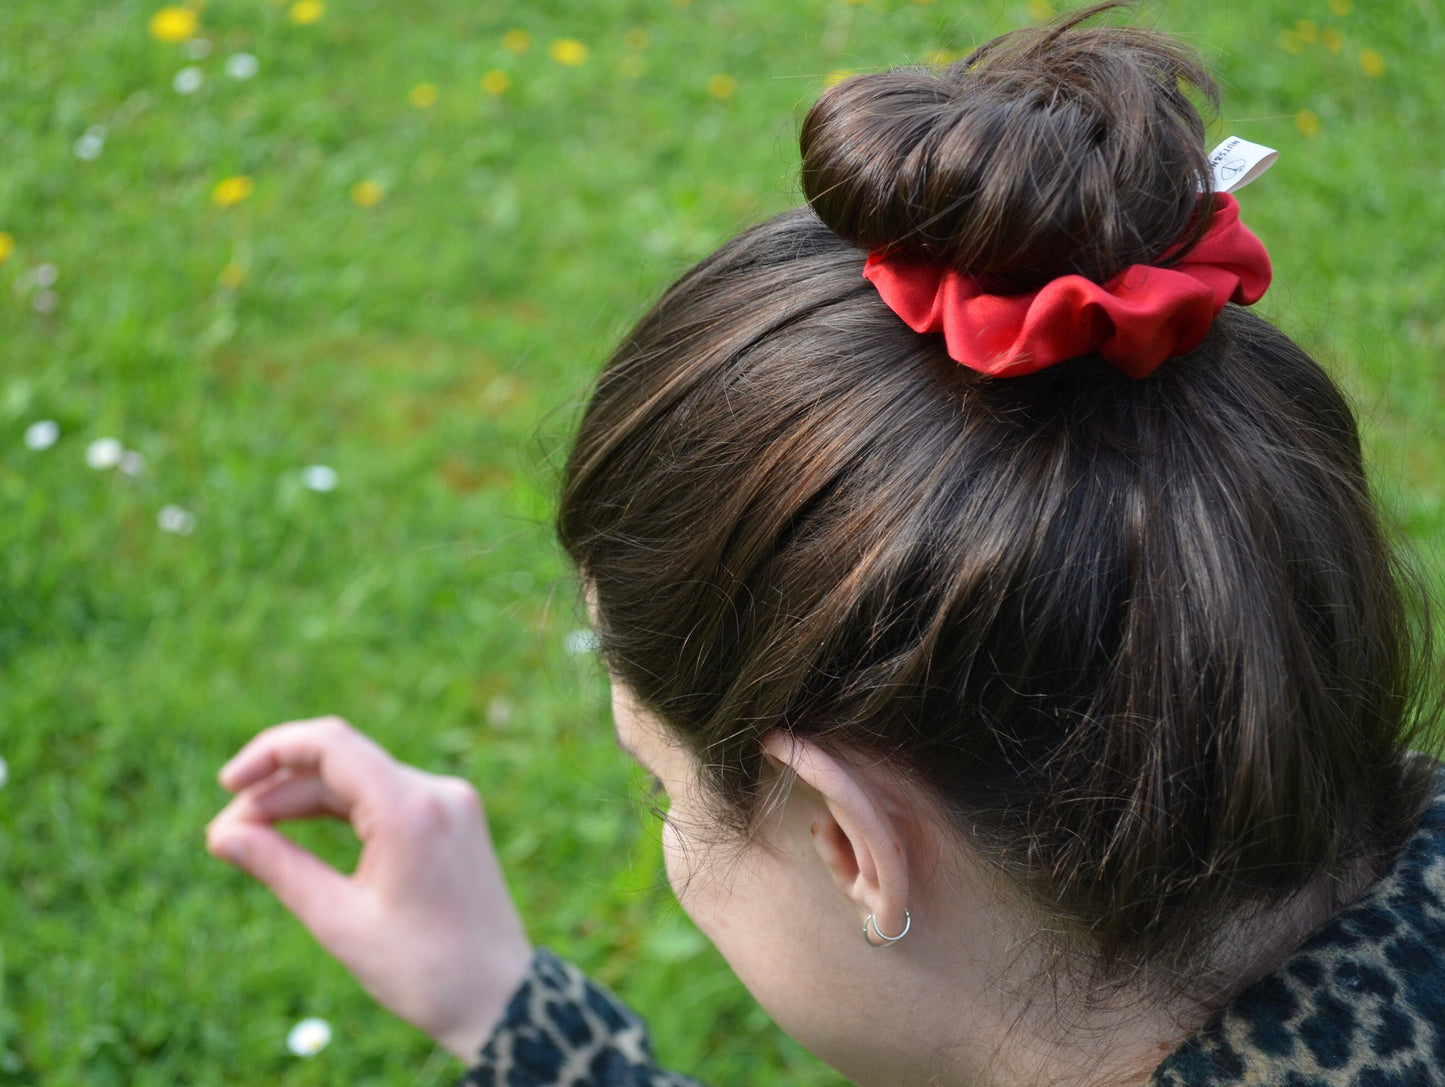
<point>311,889</point>
<point>352,766</point>
<point>299,770</point>
<point>285,795</point>
<point>425,922</point>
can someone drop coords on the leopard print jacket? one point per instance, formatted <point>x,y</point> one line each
<point>1360,1004</point>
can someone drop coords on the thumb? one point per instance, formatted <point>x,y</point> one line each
<point>311,889</point>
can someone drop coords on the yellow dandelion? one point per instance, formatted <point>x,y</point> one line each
<point>423,95</point>
<point>837,76</point>
<point>7,245</point>
<point>632,66</point>
<point>636,39</point>
<point>937,58</point>
<point>1308,122</point>
<point>1340,7</point>
<point>306,12</point>
<point>1289,41</point>
<point>496,82</point>
<point>174,24</point>
<point>1371,63</point>
<point>722,86</point>
<point>232,190</point>
<point>516,41</point>
<point>568,51</point>
<point>1333,40</point>
<point>1308,31</point>
<point>1040,10</point>
<point>367,194</point>
<point>232,276</point>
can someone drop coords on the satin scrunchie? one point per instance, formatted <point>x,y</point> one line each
<point>1135,321</point>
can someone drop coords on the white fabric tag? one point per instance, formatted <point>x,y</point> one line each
<point>1237,162</point>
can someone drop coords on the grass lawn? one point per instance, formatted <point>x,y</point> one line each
<point>395,243</point>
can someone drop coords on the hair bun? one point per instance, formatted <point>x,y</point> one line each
<point>1049,151</point>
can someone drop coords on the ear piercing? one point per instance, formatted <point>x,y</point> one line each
<point>872,923</point>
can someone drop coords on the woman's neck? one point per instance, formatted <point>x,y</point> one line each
<point>993,1008</point>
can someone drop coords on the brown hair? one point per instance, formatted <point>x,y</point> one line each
<point>1143,641</point>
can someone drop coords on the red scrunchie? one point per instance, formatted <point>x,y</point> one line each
<point>1135,321</point>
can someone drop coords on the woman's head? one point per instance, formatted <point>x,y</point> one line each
<point>1139,642</point>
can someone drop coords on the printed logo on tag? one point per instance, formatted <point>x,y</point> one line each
<point>1237,162</point>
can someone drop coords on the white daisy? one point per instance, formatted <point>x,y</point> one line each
<point>579,642</point>
<point>318,477</point>
<point>176,521</point>
<point>91,144</point>
<point>242,66</point>
<point>188,80</point>
<point>132,463</point>
<point>104,453</point>
<point>309,1037</point>
<point>42,434</point>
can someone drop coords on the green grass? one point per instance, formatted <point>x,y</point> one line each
<point>433,349</point>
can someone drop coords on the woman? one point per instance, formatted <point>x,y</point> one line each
<point>977,574</point>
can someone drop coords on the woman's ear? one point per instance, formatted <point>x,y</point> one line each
<point>860,836</point>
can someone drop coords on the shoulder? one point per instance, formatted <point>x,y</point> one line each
<point>1360,1004</point>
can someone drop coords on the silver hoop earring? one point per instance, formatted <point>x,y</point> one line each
<point>872,923</point>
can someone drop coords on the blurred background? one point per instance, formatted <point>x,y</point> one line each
<point>298,301</point>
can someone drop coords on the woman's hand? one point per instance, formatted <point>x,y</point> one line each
<point>425,922</point>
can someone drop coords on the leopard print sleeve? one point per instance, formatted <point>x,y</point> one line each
<point>561,1030</point>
